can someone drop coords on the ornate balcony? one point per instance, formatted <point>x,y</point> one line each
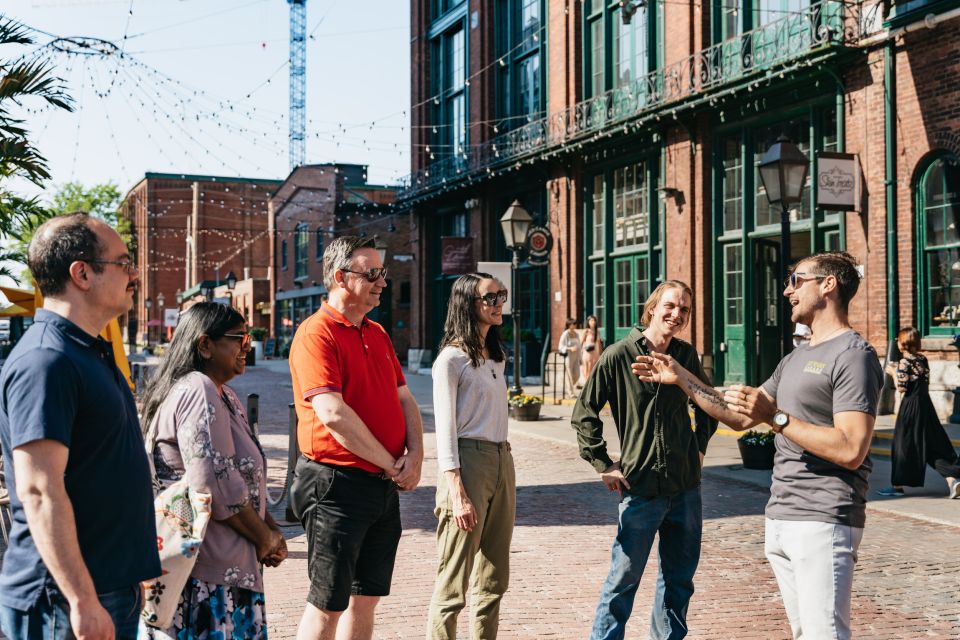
<point>769,50</point>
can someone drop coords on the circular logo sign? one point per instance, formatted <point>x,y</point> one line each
<point>539,244</point>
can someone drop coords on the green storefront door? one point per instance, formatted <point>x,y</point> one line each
<point>631,287</point>
<point>768,305</point>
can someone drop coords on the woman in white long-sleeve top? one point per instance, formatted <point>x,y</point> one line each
<point>476,491</point>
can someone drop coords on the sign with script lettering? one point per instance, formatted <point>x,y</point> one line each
<point>838,181</point>
<point>456,255</point>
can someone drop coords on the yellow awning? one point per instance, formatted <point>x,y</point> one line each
<point>15,310</point>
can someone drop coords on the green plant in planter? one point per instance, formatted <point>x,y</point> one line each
<point>258,334</point>
<point>523,400</point>
<point>755,438</point>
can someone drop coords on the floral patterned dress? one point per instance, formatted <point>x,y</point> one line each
<point>204,436</point>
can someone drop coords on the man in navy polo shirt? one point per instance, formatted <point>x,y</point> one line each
<point>83,534</point>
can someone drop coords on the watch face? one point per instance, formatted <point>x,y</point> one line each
<point>780,418</point>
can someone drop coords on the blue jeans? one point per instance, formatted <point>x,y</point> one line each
<point>679,521</point>
<point>50,616</point>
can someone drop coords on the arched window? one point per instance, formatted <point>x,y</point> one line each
<point>938,240</point>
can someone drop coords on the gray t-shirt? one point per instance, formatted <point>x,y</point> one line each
<point>813,383</point>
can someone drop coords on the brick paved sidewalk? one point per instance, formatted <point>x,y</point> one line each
<point>905,587</point>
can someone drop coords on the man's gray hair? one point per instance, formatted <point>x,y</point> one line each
<point>338,253</point>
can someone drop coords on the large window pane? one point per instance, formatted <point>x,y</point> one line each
<point>529,70</point>
<point>631,214</point>
<point>301,250</point>
<point>599,213</point>
<point>733,283</point>
<point>456,62</point>
<point>732,186</point>
<point>529,20</point>
<point>597,57</point>
<point>598,290</point>
<point>624,291</point>
<point>941,210</point>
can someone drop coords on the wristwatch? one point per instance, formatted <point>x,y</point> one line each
<point>780,420</point>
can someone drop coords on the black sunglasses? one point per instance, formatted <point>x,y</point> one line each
<point>370,276</point>
<point>799,277</point>
<point>492,299</point>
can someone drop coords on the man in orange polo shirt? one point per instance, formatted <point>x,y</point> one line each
<point>361,436</point>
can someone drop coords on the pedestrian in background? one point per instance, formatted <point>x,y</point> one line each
<point>821,401</point>
<point>658,475</point>
<point>476,490</point>
<point>592,347</point>
<point>919,438</point>
<point>202,434</point>
<point>569,346</point>
<point>361,436</point>
<point>83,535</point>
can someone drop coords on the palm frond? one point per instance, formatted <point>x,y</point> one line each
<point>13,32</point>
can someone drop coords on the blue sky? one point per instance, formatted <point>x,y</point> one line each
<point>178,101</point>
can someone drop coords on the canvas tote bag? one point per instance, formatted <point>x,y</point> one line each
<point>182,516</point>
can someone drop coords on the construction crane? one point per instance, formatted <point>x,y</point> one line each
<point>298,82</point>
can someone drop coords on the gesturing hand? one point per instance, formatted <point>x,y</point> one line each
<point>750,401</point>
<point>657,367</point>
<point>613,477</point>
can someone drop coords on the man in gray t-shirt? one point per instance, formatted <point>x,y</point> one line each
<point>822,403</point>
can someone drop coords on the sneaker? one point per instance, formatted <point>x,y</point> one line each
<point>890,492</point>
<point>955,489</point>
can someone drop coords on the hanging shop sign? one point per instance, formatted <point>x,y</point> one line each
<point>539,244</point>
<point>456,255</point>
<point>838,181</point>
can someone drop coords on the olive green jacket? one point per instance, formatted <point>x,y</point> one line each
<point>659,449</point>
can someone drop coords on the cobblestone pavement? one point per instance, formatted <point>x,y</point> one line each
<point>906,585</point>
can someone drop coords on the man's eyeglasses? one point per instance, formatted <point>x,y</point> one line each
<point>127,264</point>
<point>493,299</point>
<point>797,278</point>
<point>244,338</point>
<point>370,276</point>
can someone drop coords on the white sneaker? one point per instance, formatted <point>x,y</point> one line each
<point>954,488</point>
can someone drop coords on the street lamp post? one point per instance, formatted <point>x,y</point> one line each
<point>783,171</point>
<point>160,301</point>
<point>147,304</point>
<point>515,224</point>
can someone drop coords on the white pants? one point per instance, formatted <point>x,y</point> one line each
<point>813,563</point>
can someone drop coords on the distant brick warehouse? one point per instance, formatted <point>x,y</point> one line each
<point>315,204</point>
<point>188,229</point>
<point>633,130</point>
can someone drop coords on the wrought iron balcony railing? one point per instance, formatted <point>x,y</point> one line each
<point>767,49</point>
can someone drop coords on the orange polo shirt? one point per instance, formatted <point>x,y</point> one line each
<point>330,354</point>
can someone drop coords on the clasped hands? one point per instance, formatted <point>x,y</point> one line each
<point>406,472</point>
<point>274,551</point>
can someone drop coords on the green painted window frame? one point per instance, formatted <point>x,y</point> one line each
<point>301,251</point>
<point>319,248</point>
<point>608,15</point>
<point>604,260</point>
<point>518,47</point>
<point>925,307</point>
<point>449,111</point>
<point>819,224</point>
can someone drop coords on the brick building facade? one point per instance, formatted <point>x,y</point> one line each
<point>633,131</point>
<point>315,204</point>
<point>189,229</point>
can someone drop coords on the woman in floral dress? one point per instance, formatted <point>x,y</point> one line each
<point>203,434</point>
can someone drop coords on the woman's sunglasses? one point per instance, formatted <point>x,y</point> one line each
<point>244,338</point>
<point>492,299</point>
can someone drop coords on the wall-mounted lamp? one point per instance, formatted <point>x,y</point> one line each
<point>630,7</point>
<point>673,193</point>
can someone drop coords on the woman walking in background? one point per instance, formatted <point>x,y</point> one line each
<point>592,346</point>
<point>202,433</point>
<point>918,436</point>
<point>476,491</point>
<point>570,346</point>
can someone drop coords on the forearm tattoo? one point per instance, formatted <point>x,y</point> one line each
<point>699,390</point>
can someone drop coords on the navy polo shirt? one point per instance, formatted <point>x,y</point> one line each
<point>60,383</point>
